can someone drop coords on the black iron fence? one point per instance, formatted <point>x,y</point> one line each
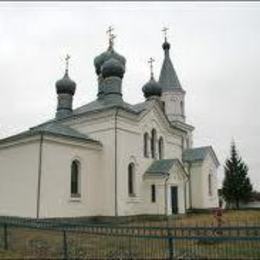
<point>28,238</point>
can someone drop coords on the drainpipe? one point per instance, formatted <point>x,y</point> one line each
<point>185,196</point>
<point>165,194</point>
<point>116,202</point>
<point>185,191</point>
<point>39,178</point>
<point>190,190</point>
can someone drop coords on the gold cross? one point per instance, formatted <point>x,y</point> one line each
<point>67,58</point>
<point>151,60</point>
<point>164,30</point>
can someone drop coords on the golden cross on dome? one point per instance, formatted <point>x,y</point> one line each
<point>164,30</point>
<point>67,58</point>
<point>151,60</point>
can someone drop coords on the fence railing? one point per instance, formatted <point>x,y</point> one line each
<point>59,239</point>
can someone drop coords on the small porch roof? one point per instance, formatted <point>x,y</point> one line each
<point>163,167</point>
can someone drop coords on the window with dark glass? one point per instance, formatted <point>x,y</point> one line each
<point>146,140</point>
<point>153,193</point>
<point>210,184</point>
<point>161,148</point>
<point>153,143</point>
<point>74,188</point>
<point>131,180</point>
<point>182,108</point>
<point>163,105</point>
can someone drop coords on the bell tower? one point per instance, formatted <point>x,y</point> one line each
<point>173,94</point>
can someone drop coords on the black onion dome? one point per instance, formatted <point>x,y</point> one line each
<point>152,88</point>
<point>65,85</point>
<point>166,45</point>
<point>113,67</point>
<point>103,57</point>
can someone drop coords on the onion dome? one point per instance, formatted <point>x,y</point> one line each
<point>152,88</point>
<point>65,85</point>
<point>166,45</point>
<point>105,56</point>
<point>113,67</point>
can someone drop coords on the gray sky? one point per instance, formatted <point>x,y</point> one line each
<point>214,48</point>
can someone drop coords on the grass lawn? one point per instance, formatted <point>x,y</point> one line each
<point>43,244</point>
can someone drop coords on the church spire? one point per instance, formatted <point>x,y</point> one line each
<point>173,95</point>
<point>168,77</point>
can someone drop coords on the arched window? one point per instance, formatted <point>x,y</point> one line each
<point>74,181</point>
<point>153,143</point>
<point>131,179</point>
<point>210,184</point>
<point>153,193</point>
<point>146,140</point>
<point>182,107</point>
<point>161,148</point>
<point>187,143</point>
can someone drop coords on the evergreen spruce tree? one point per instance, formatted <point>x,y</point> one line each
<point>236,184</point>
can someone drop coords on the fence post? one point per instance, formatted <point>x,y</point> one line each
<point>5,237</point>
<point>65,246</point>
<point>170,244</point>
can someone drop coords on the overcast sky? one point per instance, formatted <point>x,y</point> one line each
<point>215,48</point>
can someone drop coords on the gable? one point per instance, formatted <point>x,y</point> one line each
<point>166,167</point>
<point>199,154</point>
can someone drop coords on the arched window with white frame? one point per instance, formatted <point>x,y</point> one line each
<point>153,143</point>
<point>131,179</point>
<point>75,179</point>
<point>182,107</point>
<point>153,193</point>
<point>161,148</point>
<point>146,141</point>
<point>210,184</point>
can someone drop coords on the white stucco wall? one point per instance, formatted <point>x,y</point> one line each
<point>157,207</point>
<point>173,107</point>
<point>55,197</point>
<point>199,171</point>
<point>130,150</point>
<point>129,134</point>
<point>19,175</point>
<point>209,167</point>
<point>98,168</point>
<point>177,179</point>
<point>101,127</point>
<point>196,185</point>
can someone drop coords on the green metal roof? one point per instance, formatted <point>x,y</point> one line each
<point>162,166</point>
<point>52,128</point>
<point>198,154</point>
<point>59,129</point>
<point>168,77</point>
<point>103,104</point>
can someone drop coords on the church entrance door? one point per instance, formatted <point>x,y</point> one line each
<point>174,197</point>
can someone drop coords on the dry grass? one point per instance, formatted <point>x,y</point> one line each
<point>43,244</point>
<point>229,217</point>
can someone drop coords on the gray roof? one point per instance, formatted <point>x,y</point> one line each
<point>103,104</point>
<point>198,154</point>
<point>162,166</point>
<point>59,129</point>
<point>168,77</point>
<point>51,128</point>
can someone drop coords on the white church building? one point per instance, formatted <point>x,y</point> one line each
<point>108,157</point>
